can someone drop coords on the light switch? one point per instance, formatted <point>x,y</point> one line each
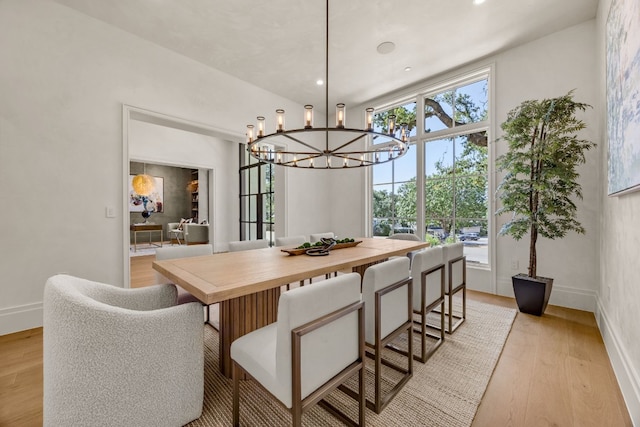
<point>110,212</point>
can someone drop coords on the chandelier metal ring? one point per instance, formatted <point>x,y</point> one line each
<point>305,147</point>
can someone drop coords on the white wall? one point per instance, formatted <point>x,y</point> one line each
<point>64,79</point>
<point>308,202</point>
<point>618,310</point>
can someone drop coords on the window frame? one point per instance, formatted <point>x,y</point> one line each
<point>417,142</point>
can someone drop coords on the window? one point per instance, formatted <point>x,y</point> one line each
<point>256,198</point>
<point>394,183</point>
<point>450,201</point>
<point>456,193</point>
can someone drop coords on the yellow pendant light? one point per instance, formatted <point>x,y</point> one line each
<point>143,184</point>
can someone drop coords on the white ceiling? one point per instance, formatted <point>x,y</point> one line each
<point>279,45</point>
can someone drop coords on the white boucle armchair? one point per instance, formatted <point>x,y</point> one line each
<point>120,357</point>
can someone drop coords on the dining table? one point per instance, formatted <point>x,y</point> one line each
<point>247,284</point>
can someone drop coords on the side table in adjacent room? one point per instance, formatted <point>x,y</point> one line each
<point>146,228</point>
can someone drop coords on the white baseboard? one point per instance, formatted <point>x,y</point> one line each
<point>20,318</point>
<point>578,299</point>
<point>626,374</point>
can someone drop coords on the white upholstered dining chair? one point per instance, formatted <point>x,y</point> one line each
<point>116,357</point>
<point>387,295</point>
<point>316,344</point>
<point>409,237</point>
<point>175,252</point>
<point>247,245</point>
<point>294,242</point>
<point>290,241</point>
<point>427,272</point>
<point>455,282</point>
<point>405,236</point>
<point>316,237</point>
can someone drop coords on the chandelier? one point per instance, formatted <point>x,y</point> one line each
<point>327,147</point>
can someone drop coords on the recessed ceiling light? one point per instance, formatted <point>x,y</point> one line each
<point>386,47</point>
<point>478,2</point>
<point>407,69</point>
<point>319,82</point>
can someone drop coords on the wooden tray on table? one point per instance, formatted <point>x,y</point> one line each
<point>336,246</point>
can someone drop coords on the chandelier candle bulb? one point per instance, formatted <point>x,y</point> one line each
<point>403,132</point>
<point>311,162</point>
<point>392,124</point>
<point>345,163</point>
<point>279,157</point>
<point>260,126</point>
<point>250,134</point>
<point>340,116</point>
<point>308,116</point>
<point>280,120</point>
<point>368,119</point>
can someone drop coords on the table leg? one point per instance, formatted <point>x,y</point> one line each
<point>239,316</point>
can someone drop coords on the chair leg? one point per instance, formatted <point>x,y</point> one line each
<point>378,373</point>
<point>464,303</point>
<point>423,333</point>
<point>442,329</point>
<point>362,399</point>
<point>450,311</point>
<point>236,394</point>
<point>450,316</point>
<point>296,414</point>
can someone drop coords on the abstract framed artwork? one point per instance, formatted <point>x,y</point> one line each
<point>154,202</point>
<point>623,96</point>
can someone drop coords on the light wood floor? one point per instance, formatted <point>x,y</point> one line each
<point>553,371</point>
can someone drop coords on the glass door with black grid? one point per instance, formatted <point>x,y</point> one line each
<point>257,211</point>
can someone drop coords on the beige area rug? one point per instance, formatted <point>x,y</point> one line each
<point>142,250</point>
<point>445,391</point>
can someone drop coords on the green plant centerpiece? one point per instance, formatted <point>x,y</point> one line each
<point>541,183</point>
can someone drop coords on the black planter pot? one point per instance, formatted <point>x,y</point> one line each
<point>532,294</point>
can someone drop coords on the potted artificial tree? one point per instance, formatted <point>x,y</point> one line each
<point>540,183</point>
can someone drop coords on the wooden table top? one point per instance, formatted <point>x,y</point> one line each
<point>222,276</point>
<point>145,227</point>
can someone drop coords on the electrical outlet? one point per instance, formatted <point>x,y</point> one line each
<point>515,264</point>
<point>110,212</point>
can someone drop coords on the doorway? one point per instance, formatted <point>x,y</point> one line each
<point>162,141</point>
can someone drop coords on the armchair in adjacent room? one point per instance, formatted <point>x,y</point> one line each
<point>195,234</point>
